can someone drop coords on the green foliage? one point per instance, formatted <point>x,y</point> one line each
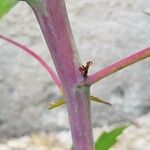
<point>107,139</point>
<point>5,6</point>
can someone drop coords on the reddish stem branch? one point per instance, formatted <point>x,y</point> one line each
<point>116,67</point>
<point>36,56</point>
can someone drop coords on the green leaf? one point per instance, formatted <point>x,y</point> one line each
<point>107,139</point>
<point>5,6</point>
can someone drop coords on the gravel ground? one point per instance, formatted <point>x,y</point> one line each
<point>135,137</point>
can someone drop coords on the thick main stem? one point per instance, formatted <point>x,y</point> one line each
<point>53,20</point>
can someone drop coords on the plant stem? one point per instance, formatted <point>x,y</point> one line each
<point>37,57</point>
<point>53,20</point>
<point>116,67</point>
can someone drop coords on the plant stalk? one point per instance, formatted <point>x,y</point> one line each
<point>143,54</point>
<point>36,56</point>
<point>54,23</point>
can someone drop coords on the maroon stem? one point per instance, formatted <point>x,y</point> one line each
<point>36,56</point>
<point>116,67</point>
<point>53,20</point>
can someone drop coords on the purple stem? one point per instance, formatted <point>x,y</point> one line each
<point>53,20</point>
<point>37,57</point>
<point>116,67</point>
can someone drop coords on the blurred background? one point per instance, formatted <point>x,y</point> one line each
<point>105,31</point>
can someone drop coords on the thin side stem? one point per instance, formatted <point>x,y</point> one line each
<point>36,56</point>
<point>116,67</point>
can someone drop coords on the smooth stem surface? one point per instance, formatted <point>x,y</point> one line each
<point>36,56</point>
<point>116,67</point>
<point>53,20</point>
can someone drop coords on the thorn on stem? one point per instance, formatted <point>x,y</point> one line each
<point>85,68</point>
<point>57,103</point>
<point>96,99</point>
<point>61,102</point>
